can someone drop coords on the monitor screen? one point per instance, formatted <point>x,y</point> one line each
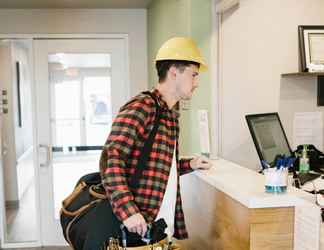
<point>268,136</point>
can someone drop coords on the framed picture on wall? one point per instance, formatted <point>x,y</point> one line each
<point>311,48</point>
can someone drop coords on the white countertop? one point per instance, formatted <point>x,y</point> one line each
<point>247,186</point>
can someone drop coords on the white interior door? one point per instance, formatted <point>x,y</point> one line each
<point>80,85</point>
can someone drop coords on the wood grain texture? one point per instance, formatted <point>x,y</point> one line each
<point>216,221</point>
<point>272,228</point>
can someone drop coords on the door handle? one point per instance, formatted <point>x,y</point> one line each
<point>48,155</point>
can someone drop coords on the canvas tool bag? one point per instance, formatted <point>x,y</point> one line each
<point>86,215</point>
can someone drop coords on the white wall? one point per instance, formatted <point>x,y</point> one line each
<point>23,134</point>
<point>131,22</point>
<point>297,94</point>
<point>259,43</point>
<point>8,137</point>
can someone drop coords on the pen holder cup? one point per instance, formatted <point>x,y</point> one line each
<point>276,180</point>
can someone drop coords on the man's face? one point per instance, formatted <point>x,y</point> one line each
<point>186,82</point>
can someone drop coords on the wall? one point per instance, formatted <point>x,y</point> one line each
<point>131,22</point>
<point>8,136</point>
<point>200,31</point>
<point>18,167</point>
<point>193,19</point>
<point>161,27</point>
<point>259,43</point>
<point>23,135</point>
<point>297,94</point>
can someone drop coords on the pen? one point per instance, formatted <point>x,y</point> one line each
<point>265,164</point>
<point>291,162</point>
<point>279,163</point>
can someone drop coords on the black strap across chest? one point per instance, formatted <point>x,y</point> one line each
<point>145,153</point>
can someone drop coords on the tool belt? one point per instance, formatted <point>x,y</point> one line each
<point>161,245</point>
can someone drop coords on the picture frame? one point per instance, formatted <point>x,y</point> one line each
<point>311,48</point>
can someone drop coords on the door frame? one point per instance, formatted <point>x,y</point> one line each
<point>30,37</point>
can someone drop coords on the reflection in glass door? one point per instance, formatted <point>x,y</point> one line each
<point>80,85</point>
<point>66,114</point>
<point>98,111</point>
<point>81,116</point>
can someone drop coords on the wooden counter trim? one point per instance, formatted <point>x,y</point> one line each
<point>216,221</point>
<point>272,228</point>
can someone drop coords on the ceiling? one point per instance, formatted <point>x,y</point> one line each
<point>74,4</point>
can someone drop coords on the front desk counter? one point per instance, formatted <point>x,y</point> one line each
<point>226,208</point>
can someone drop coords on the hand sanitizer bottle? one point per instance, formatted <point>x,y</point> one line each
<point>304,161</point>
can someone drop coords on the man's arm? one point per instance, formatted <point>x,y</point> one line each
<point>191,164</point>
<point>128,126</point>
<point>185,166</point>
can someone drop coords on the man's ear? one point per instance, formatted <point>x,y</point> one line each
<point>172,72</point>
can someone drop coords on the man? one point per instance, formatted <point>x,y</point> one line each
<point>178,63</point>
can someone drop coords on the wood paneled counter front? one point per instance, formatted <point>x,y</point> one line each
<point>226,208</point>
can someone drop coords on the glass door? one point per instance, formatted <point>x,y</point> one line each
<point>80,85</point>
<point>18,175</point>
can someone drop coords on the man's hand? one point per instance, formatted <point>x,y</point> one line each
<point>136,224</point>
<point>200,162</point>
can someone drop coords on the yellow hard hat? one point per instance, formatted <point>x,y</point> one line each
<point>181,48</point>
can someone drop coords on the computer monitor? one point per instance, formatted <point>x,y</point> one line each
<point>268,136</point>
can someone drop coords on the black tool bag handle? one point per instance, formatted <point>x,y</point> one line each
<point>145,154</point>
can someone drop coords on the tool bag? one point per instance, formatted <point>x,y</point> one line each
<point>86,216</point>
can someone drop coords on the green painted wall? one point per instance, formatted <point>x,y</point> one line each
<point>200,29</point>
<point>164,21</point>
<point>169,18</point>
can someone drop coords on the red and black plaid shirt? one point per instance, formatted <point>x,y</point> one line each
<point>120,156</point>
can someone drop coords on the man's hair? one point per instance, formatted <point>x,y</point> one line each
<point>163,66</point>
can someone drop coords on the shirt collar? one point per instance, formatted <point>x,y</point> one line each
<point>164,105</point>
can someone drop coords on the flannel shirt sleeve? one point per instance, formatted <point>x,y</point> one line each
<point>185,166</point>
<point>127,127</point>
